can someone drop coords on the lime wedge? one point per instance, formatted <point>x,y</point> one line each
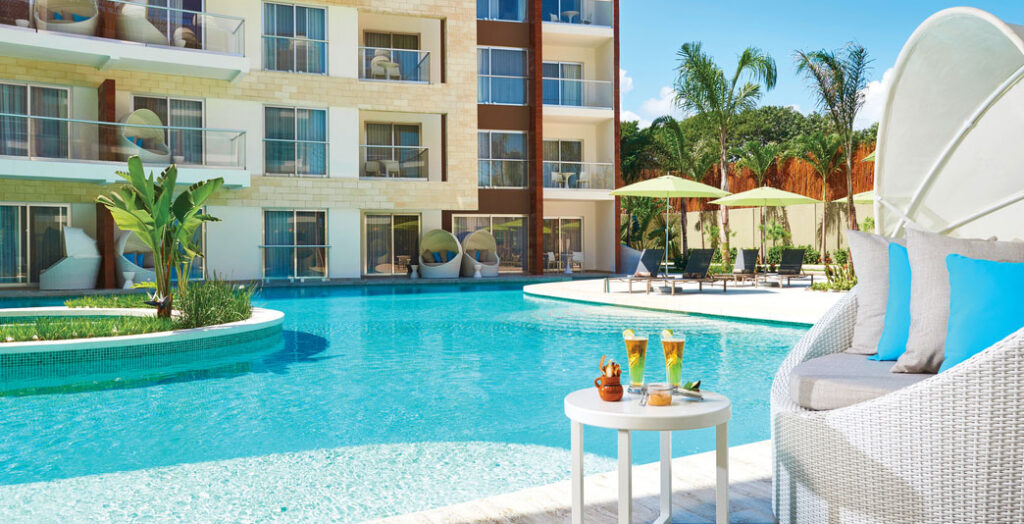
<point>666,333</point>
<point>629,333</point>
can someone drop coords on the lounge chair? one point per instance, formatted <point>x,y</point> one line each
<point>80,266</point>
<point>697,269</point>
<point>744,270</point>
<point>148,143</point>
<point>647,268</point>
<point>790,268</point>
<point>79,17</point>
<point>448,262</point>
<point>134,26</point>
<point>480,248</point>
<point>125,265</point>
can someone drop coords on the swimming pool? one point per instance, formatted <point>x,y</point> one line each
<point>376,401</point>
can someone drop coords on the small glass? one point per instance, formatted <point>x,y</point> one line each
<point>659,394</point>
<point>636,351</point>
<point>673,347</point>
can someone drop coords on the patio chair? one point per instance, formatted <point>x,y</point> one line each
<point>79,268</point>
<point>698,266</point>
<point>647,268</point>
<point>80,17</point>
<point>125,265</point>
<point>134,26</point>
<point>448,262</point>
<point>480,248</point>
<point>744,269</point>
<point>791,267</point>
<point>145,138</point>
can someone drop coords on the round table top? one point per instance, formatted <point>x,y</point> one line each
<point>586,407</point>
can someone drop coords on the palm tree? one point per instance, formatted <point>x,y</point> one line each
<point>704,89</point>
<point>839,78</point>
<point>758,158</point>
<point>689,160</point>
<point>824,153</point>
<point>638,152</point>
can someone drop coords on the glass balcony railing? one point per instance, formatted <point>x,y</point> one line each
<point>394,65</point>
<point>394,162</point>
<point>133,22</point>
<point>50,138</point>
<point>502,173</point>
<point>585,12</point>
<point>578,93</point>
<point>499,89</point>
<point>579,175</point>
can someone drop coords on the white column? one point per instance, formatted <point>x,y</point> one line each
<point>577,472</point>
<point>625,477</point>
<point>722,468</point>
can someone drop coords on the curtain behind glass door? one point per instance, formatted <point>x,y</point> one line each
<point>279,128</point>
<point>551,83</point>
<point>278,230</point>
<point>13,129</point>
<point>311,148</point>
<point>412,162</point>
<point>407,242</point>
<point>12,252</point>
<point>551,258</point>
<point>572,86</point>
<point>378,245</point>
<point>310,230</point>
<point>186,145</point>
<point>50,137</point>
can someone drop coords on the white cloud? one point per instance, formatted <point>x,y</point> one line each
<point>663,104</point>
<point>625,82</point>
<point>626,116</point>
<point>796,107</point>
<point>874,100</point>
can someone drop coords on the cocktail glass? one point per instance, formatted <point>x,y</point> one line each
<point>636,351</point>
<point>673,347</point>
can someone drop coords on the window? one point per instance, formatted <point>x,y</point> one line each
<point>503,159</point>
<point>390,56</point>
<point>508,10</point>
<point>394,151</point>
<point>295,141</point>
<point>563,83</point>
<point>501,76</point>
<point>563,243</point>
<point>392,243</point>
<point>510,233</point>
<point>30,240</point>
<point>295,244</point>
<point>563,163</point>
<point>294,38</point>
<point>186,144</point>
<point>46,135</point>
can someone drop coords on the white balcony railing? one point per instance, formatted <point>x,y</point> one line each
<point>133,22</point>
<point>584,12</point>
<point>579,175</point>
<point>502,173</point>
<point>406,162</point>
<point>51,138</point>
<point>578,93</point>
<point>394,65</point>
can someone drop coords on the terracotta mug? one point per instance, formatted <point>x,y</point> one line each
<point>609,388</point>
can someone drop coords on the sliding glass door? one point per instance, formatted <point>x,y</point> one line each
<point>510,233</point>
<point>295,244</point>
<point>30,240</point>
<point>391,243</point>
<point>44,136</point>
<point>563,83</point>
<point>186,144</point>
<point>563,243</point>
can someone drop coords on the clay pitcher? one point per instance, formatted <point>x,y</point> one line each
<point>609,388</point>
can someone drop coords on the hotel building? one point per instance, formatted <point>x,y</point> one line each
<point>344,130</point>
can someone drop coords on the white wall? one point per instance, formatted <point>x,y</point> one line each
<point>342,41</point>
<point>344,230</point>
<point>344,135</point>
<point>598,251</point>
<point>241,115</point>
<point>232,245</point>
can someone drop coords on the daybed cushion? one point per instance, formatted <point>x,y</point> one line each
<point>843,379</point>
<point>870,255</point>
<point>929,292</point>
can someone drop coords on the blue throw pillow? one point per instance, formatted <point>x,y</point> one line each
<point>57,16</point>
<point>451,256</point>
<point>477,255</point>
<point>79,18</point>
<point>985,305</point>
<point>437,257</point>
<point>893,342</point>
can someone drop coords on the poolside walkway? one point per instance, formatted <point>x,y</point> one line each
<point>789,304</point>
<point>693,495</point>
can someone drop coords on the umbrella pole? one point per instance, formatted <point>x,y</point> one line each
<point>666,234</point>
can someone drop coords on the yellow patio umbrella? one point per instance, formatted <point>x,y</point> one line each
<point>763,197</point>
<point>867,197</point>
<point>669,186</point>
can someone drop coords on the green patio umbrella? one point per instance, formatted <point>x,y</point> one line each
<point>669,186</point>
<point>763,197</point>
<point>869,158</point>
<point>867,197</point>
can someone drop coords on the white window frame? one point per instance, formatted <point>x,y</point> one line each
<point>263,36</point>
<point>29,116</point>
<point>391,215</point>
<point>583,243</point>
<point>490,159</point>
<point>26,273</point>
<point>326,141</point>
<point>295,263</point>
<point>525,77</point>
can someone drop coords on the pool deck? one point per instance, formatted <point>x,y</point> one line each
<point>693,495</point>
<point>795,304</point>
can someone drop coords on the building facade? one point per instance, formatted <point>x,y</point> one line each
<point>344,130</point>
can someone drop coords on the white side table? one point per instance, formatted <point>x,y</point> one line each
<point>627,415</point>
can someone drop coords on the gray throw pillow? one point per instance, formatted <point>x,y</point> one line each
<point>929,292</point>
<point>870,254</point>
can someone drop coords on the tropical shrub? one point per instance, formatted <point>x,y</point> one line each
<point>62,328</point>
<point>841,256</point>
<point>214,302</point>
<point>716,258</point>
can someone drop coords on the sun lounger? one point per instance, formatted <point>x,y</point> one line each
<point>647,269</point>
<point>744,270</point>
<point>791,267</point>
<point>697,268</point>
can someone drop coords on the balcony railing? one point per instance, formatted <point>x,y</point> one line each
<point>51,138</point>
<point>579,175</point>
<point>500,89</point>
<point>394,65</point>
<point>585,12</point>
<point>502,173</point>
<point>578,93</point>
<point>407,162</point>
<point>133,22</point>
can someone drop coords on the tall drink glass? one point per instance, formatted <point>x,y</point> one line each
<point>673,347</point>
<point>636,350</point>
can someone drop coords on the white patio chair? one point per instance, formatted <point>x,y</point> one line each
<point>80,17</point>
<point>80,266</point>
<point>443,242</point>
<point>480,241</point>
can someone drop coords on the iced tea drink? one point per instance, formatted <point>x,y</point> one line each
<point>636,352</point>
<point>673,346</point>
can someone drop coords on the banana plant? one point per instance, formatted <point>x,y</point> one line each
<point>164,223</point>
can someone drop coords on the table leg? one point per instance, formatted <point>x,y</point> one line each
<point>666,478</point>
<point>722,474</point>
<point>577,472</point>
<point>625,477</point>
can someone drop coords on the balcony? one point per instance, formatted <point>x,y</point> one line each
<point>598,13</point>
<point>125,35</point>
<point>579,180</point>
<point>502,90</point>
<point>394,65</point>
<point>578,100</point>
<point>394,162</point>
<point>50,148</point>
<point>496,174</point>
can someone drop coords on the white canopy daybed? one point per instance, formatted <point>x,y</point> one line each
<point>448,260</point>
<point>80,266</point>
<point>480,248</point>
<point>143,136</point>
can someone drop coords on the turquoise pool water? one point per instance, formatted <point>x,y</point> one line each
<point>375,401</point>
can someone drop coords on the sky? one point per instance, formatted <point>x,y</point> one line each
<point>651,32</point>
